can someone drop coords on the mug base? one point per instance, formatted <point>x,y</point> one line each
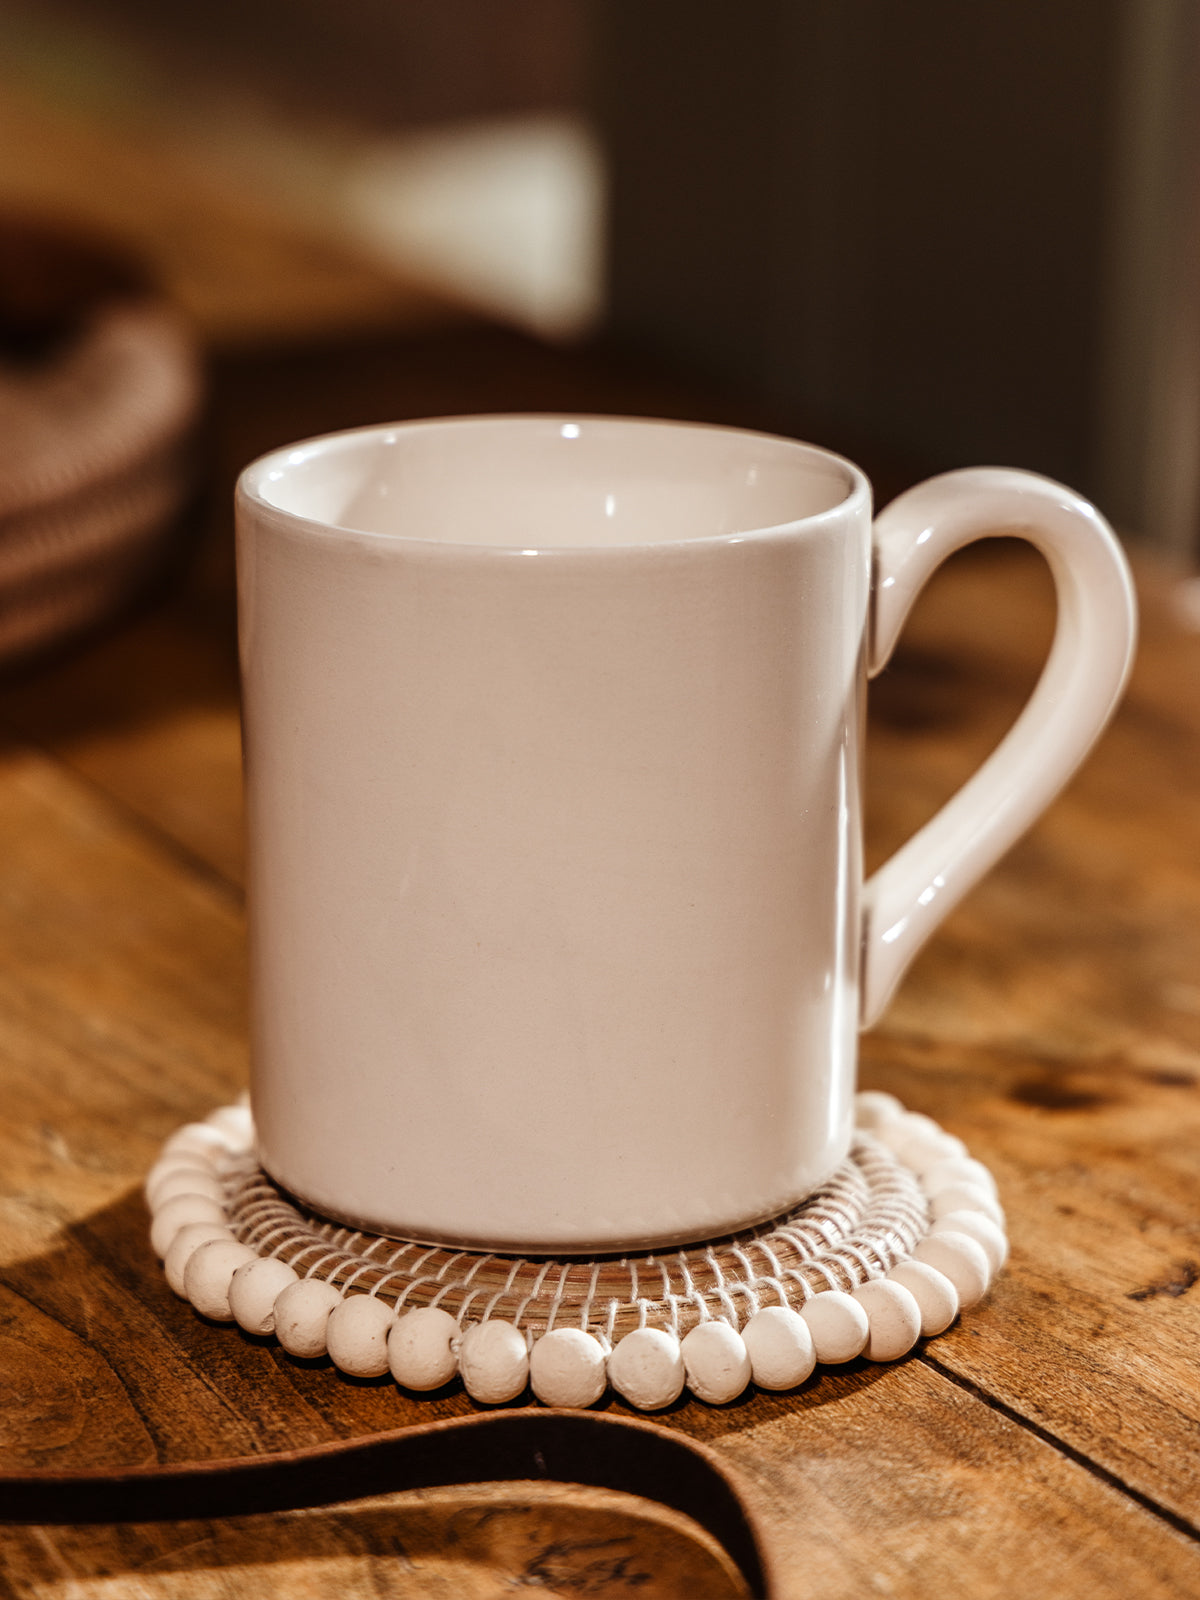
<point>580,1241</point>
<point>908,1231</point>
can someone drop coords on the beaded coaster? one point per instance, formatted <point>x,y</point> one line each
<point>906,1233</point>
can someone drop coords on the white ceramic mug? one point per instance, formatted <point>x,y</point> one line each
<point>559,938</point>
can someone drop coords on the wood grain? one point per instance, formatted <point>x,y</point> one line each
<point>900,1483</point>
<point>151,720</point>
<point>475,1543</point>
<point>1046,1444</point>
<point>1055,1025</point>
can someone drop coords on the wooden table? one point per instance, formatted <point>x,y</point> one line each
<point>1047,1445</point>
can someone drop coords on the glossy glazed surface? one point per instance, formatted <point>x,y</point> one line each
<point>554,820</point>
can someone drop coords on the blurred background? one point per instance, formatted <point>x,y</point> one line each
<point>928,235</point>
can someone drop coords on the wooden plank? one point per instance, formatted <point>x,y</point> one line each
<point>1091,1333</point>
<point>149,715</point>
<point>121,999</point>
<point>1055,1024</point>
<point>896,1482</point>
<point>120,1013</point>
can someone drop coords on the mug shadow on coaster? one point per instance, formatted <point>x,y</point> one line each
<point>559,939</point>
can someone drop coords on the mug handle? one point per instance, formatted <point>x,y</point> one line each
<point>1088,665</point>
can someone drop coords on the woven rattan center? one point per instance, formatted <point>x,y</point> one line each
<point>870,1215</point>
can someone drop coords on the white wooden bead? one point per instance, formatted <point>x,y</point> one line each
<point>838,1325</point>
<point>958,1169</point>
<point>209,1272</point>
<point>423,1348</point>
<point>235,1124</point>
<point>159,1170</point>
<point>254,1290</point>
<point>930,1153</point>
<point>873,1108</point>
<point>494,1362</point>
<point>177,1213</point>
<point>183,1180</point>
<point>982,1229</point>
<point>936,1296</point>
<point>963,1262</point>
<point>716,1362</point>
<point>646,1368</point>
<point>356,1335</point>
<point>919,1142</point>
<point>200,1139</point>
<point>187,1160</point>
<point>302,1313</point>
<point>566,1368</point>
<point>894,1318</point>
<point>780,1346</point>
<point>898,1130</point>
<point>923,1151</point>
<point>966,1197</point>
<point>184,1245</point>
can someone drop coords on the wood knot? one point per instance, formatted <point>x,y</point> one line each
<point>1056,1093</point>
<point>1181,1278</point>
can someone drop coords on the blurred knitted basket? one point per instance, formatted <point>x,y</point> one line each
<point>100,392</point>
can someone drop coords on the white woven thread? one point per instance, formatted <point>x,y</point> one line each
<point>869,1216</point>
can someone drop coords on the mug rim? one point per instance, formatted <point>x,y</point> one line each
<point>250,489</point>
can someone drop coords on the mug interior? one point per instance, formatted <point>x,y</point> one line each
<point>599,482</point>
